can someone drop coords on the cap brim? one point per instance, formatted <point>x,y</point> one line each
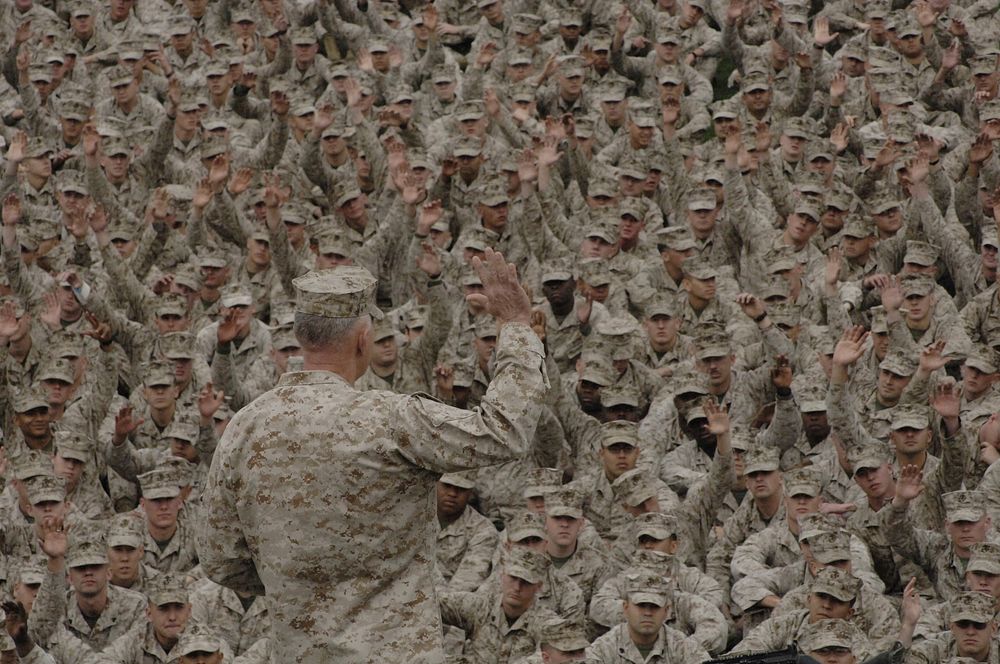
<point>980,565</point>
<point>910,423</point>
<point>91,559</point>
<point>647,598</point>
<point>155,494</point>
<point>967,614</point>
<point>524,533</point>
<point>133,541</point>
<point>522,573</point>
<point>833,592</point>
<point>199,645</point>
<point>831,556</point>
<point>803,490</point>
<point>172,597</point>
<point>656,532</point>
<point>828,641</point>
<point>564,510</point>
<point>760,468</point>
<point>965,514</point>
<point>569,644</point>
<point>870,463</point>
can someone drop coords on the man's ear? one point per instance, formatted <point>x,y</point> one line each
<point>364,340</point>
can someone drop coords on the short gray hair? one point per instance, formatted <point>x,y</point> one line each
<point>321,331</point>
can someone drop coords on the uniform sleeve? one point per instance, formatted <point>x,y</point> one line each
<point>606,604</point>
<point>220,531</point>
<point>751,556</point>
<point>443,439</point>
<point>752,588</point>
<point>702,505</point>
<point>475,565</point>
<point>49,607</point>
<point>772,634</point>
<point>705,622</point>
<point>460,609</point>
<point>922,547</point>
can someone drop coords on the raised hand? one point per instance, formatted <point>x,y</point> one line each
<point>538,324</point>
<point>16,621</point>
<point>502,296</point>
<point>449,166</point>
<point>11,210</point>
<point>851,346</point>
<point>430,213</point>
<point>51,314</point>
<point>585,308</point>
<point>781,374</point>
<point>926,16</point>
<point>99,330</point>
<point>15,152</point>
<point>892,294</point>
<point>209,401</point>
<point>909,612</point>
<point>280,105</point>
<point>751,305</point>
<point>804,60</point>
<point>23,60</point>
<point>413,192</point>
<point>218,172</point>
<point>203,194</point>
<point>431,17</point>
<point>23,33</point>
<point>718,417</point>
<point>918,169</point>
<point>396,155</point>
<point>527,169</point>
<point>429,262</point>
<point>910,483</point>
<point>887,155</point>
<point>945,401</point>
<point>240,181</point>
<point>822,36</point>
<point>831,267</point>
<point>125,424</point>
<point>229,327</point>
<point>735,10</point>
<point>8,321</point>
<point>487,54</point>
<point>838,85</point>
<point>273,196</point>
<point>762,137</point>
<point>951,56</point>
<point>97,218</point>
<point>444,376</point>
<point>549,154</point>
<point>733,143</point>
<point>323,117</point>
<point>492,102</point>
<point>623,22</point>
<point>989,440</point>
<point>352,91</point>
<point>53,537</point>
<point>671,111</point>
<point>839,137</point>
<point>932,357</point>
<point>981,149</point>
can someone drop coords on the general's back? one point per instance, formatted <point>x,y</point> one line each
<point>319,496</point>
<point>360,541</point>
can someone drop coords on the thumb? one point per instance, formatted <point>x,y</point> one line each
<point>477,298</point>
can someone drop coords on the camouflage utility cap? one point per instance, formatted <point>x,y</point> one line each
<point>342,292</point>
